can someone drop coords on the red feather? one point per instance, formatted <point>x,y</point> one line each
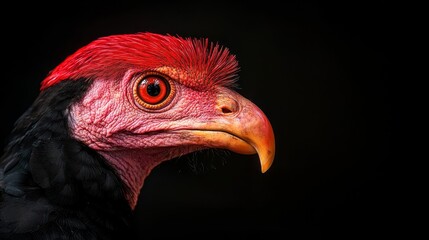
<point>112,56</point>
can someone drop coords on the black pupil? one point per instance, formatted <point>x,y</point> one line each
<point>153,89</point>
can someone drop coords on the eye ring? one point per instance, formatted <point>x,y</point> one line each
<point>153,90</point>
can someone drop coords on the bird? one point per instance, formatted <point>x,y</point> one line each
<point>105,117</point>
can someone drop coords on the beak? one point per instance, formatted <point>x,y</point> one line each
<point>239,126</point>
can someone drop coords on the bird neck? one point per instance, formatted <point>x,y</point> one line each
<point>133,166</point>
<point>48,178</point>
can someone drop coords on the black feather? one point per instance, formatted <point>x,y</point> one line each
<point>52,186</point>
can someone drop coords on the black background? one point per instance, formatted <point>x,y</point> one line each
<point>322,72</point>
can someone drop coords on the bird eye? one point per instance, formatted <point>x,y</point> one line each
<point>153,91</point>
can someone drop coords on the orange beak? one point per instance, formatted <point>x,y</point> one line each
<point>240,127</point>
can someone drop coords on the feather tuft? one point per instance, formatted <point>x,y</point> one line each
<point>111,57</point>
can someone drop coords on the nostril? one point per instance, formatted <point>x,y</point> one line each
<point>226,110</point>
<point>226,105</point>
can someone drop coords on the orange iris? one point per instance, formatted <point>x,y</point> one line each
<point>153,90</point>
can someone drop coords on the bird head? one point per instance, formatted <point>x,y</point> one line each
<point>156,97</point>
